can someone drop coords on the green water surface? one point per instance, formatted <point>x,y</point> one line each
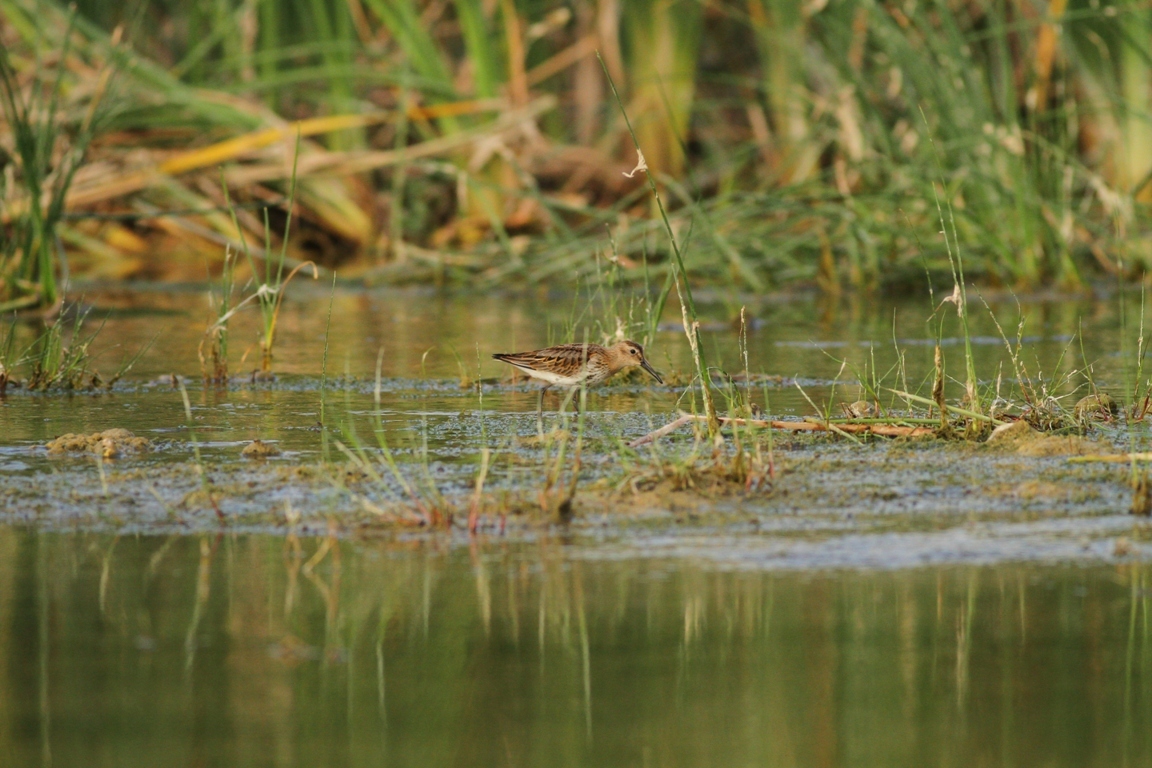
<point>266,651</point>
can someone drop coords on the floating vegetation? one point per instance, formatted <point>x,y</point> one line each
<point>109,444</point>
<point>719,471</point>
<point>258,449</point>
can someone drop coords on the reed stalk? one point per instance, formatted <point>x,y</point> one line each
<point>679,275</point>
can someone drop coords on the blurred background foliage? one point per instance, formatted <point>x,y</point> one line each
<point>477,142</point>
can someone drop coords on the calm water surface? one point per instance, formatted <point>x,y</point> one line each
<point>258,650</point>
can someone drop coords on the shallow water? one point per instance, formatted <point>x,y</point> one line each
<point>885,604</point>
<point>258,650</point>
<point>431,341</point>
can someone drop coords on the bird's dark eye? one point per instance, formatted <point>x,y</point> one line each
<point>632,351</point>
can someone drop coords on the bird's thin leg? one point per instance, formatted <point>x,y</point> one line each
<point>540,410</point>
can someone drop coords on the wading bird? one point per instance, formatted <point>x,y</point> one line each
<point>571,366</point>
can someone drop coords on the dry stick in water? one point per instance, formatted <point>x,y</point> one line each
<point>884,430</point>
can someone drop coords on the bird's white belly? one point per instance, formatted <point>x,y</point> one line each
<point>554,379</point>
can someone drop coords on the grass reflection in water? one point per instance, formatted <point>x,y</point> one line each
<point>236,650</point>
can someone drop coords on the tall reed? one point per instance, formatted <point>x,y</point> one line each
<point>800,123</point>
<point>49,148</point>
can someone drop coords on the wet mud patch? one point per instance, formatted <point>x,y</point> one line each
<point>944,480</point>
<point>827,505</point>
<point>1019,437</point>
<point>169,498</point>
<point>895,506</point>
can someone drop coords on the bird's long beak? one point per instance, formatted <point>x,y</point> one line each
<point>644,364</point>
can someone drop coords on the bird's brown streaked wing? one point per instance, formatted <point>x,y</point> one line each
<point>563,358</point>
<point>577,353</point>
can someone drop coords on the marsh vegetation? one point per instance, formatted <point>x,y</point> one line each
<point>479,143</point>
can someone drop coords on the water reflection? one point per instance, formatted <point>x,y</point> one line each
<point>444,335</point>
<point>228,650</point>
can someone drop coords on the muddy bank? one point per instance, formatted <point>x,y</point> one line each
<point>828,504</point>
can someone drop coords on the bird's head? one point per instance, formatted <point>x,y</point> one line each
<point>629,354</point>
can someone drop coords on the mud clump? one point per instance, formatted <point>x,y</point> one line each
<point>1019,437</point>
<point>1011,435</point>
<point>258,449</point>
<point>108,444</point>
<point>861,409</point>
<point>1099,406</point>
